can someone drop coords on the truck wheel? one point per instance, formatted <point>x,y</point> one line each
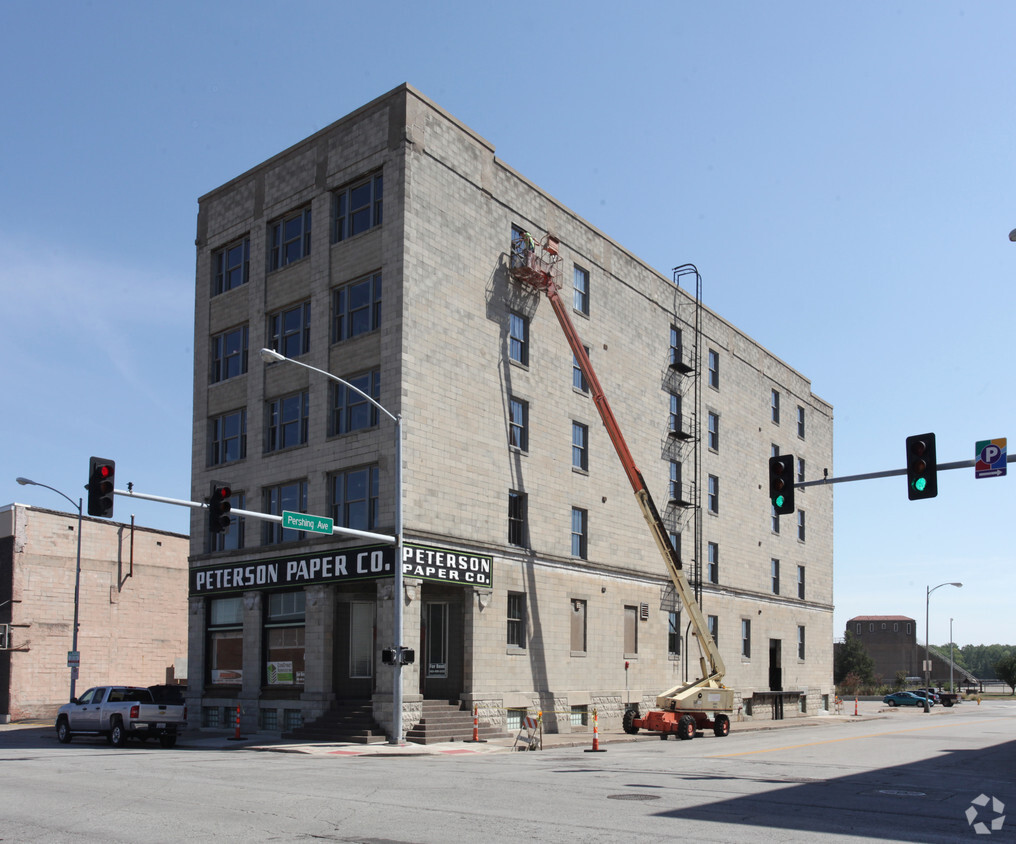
<point>947,702</point>
<point>721,726</point>
<point>626,722</point>
<point>117,734</point>
<point>63,731</point>
<point>167,741</point>
<point>686,728</point>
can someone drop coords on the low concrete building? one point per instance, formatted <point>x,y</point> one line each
<point>132,607</point>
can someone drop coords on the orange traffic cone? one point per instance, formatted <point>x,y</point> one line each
<point>596,736</point>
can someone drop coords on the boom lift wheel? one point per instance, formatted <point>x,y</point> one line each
<point>686,728</point>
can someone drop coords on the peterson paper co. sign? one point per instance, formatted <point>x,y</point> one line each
<point>348,564</point>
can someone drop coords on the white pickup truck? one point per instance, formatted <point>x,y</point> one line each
<point>119,713</point>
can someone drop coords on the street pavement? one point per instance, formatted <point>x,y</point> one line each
<point>606,735</point>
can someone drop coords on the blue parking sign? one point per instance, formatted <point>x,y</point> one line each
<point>990,458</point>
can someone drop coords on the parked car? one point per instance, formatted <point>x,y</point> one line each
<point>931,694</point>
<point>119,713</point>
<point>945,698</point>
<point>905,699</point>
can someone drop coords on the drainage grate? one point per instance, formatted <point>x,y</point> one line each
<point>896,792</point>
<point>633,797</point>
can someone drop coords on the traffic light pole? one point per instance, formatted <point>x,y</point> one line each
<point>959,464</point>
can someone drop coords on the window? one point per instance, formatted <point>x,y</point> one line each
<point>800,641</point>
<point>909,628</point>
<point>291,496</point>
<point>232,538</point>
<point>713,494</point>
<point>775,520</point>
<point>578,532</point>
<point>714,369</point>
<point>578,626</point>
<point>800,470</point>
<point>516,518</point>
<point>287,421</point>
<point>229,354</point>
<point>225,641</point>
<point>800,422</point>
<point>746,638</point>
<point>518,338</point>
<point>713,624</point>
<point>285,630</point>
<point>631,630</point>
<point>350,410</point>
<point>356,308</point>
<point>355,498</point>
<point>229,438</point>
<point>674,421</point>
<point>581,295</point>
<point>713,562</point>
<point>858,628</point>
<point>800,525</point>
<point>800,582</point>
<point>673,634</point>
<point>578,378</point>
<point>675,358</point>
<point>775,405</point>
<point>580,446</point>
<point>516,635</point>
<point>289,331</point>
<point>774,572</point>
<point>713,423</point>
<point>518,424</point>
<point>232,266</point>
<point>675,481</point>
<point>357,208</point>
<point>675,542</point>
<point>289,240</point>
<point>361,639</point>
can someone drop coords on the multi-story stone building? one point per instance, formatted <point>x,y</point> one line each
<point>379,250</point>
<point>132,610</point>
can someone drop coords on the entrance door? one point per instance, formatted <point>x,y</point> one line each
<point>441,648</point>
<point>353,677</point>
<point>775,665</point>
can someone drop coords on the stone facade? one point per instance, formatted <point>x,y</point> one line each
<point>132,620</point>
<point>891,641</point>
<point>444,351</point>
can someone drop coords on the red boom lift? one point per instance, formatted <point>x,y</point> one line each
<point>704,703</point>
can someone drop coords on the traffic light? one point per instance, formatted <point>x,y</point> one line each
<point>218,509</point>
<point>408,656</point>
<point>922,467</point>
<point>781,483</point>
<point>100,487</point>
<point>388,656</point>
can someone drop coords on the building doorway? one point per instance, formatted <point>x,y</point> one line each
<point>775,665</point>
<point>353,660</point>
<point>441,648</point>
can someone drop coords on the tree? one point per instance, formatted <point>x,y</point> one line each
<point>1005,670</point>
<point>852,658</point>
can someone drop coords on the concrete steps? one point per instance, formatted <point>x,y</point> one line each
<point>443,721</point>
<point>347,721</point>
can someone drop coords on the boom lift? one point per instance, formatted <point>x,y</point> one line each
<point>705,702</point>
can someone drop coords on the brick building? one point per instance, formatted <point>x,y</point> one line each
<point>379,250</point>
<point>891,641</point>
<point>132,621</point>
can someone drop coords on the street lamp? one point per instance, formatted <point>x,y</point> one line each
<point>927,651</point>
<point>270,356</point>
<point>77,575</point>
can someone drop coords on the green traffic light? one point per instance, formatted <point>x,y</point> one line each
<point>920,484</point>
<point>779,500</point>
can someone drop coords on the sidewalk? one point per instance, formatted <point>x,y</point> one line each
<point>612,734</point>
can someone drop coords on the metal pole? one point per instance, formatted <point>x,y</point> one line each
<point>397,609</point>
<point>951,689</point>
<point>77,599</point>
<point>927,653</point>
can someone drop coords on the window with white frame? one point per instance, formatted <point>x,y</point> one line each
<point>580,446</point>
<point>774,575</point>
<point>581,293</point>
<point>518,424</point>
<point>800,470</point>
<point>229,354</point>
<point>289,239</point>
<point>518,338</point>
<point>800,641</point>
<point>356,308</point>
<point>714,369</point>
<point>713,562</point>
<point>774,402</point>
<point>289,330</point>
<point>800,582</point>
<point>800,422</point>
<point>800,525</point>
<point>713,494</point>
<point>674,482</point>
<point>578,376</point>
<point>232,266</point>
<point>357,208</point>
<point>579,528</point>
<point>713,430</point>
<point>746,638</point>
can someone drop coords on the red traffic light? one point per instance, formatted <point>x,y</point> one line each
<point>100,487</point>
<point>219,508</point>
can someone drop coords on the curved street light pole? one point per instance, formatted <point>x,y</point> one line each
<point>927,651</point>
<point>77,574</point>
<point>270,356</point>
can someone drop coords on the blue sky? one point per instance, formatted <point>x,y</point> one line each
<point>842,176</point>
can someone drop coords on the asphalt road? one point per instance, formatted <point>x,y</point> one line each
<point>907,776</point>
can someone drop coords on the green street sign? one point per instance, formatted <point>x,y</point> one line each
<point>302,521</point>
